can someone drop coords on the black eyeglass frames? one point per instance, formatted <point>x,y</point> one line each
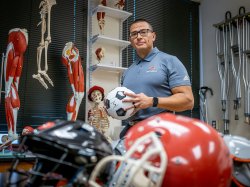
<point>142,32</point>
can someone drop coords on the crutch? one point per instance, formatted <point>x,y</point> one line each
<point>245,66</point>
<point>235,44</point>
<point>223,68</point>
<point>1,77</point>
<point>203,96</point>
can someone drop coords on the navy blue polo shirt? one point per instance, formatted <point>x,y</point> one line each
<point>155,76</point>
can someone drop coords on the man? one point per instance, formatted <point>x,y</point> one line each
<point>160,81</point>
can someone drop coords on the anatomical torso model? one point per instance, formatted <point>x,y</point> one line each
<point>72,60</point>
<point>17,45</point>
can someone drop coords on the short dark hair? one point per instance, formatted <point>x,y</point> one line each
<point>142,20</point>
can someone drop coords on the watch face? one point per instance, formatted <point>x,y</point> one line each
<point>155,102</point>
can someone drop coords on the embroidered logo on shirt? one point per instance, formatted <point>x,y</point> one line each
<point>151,69</point>
<point>186,78</point>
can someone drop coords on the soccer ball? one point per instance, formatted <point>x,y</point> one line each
<point>114,105</point>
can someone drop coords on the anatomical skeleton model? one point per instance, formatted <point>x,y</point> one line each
<point>97,115</point>
<point>101,17</point>
<point>71,59</point>
<point>45,6</point>
<point>17,45</point>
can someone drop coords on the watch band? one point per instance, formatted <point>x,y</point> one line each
<point>155,101</point>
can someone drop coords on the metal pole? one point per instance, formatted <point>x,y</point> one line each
<point>1,76</point>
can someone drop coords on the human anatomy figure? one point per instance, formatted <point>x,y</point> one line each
<point>99,53</point>
<point>120,4</point>
<point>97,115</point>
<point>17,45</point>
<point>71,59</point>
<point>45,6</point>
<point>101,17</point>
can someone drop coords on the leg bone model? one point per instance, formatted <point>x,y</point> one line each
<point>45,6</point>
<point>17,45</point>
<point>71,59</point>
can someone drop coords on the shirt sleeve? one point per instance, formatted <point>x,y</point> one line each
<point>178,75</point>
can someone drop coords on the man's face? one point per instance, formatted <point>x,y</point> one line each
<point>142,42</point>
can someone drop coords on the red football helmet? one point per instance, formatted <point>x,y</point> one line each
<point>196,154</point>
<point>171,151</point>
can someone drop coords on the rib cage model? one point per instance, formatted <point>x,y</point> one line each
<point>45,6</point>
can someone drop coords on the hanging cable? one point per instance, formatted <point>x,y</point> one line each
<point>74,22</point>
<point>191,50</point>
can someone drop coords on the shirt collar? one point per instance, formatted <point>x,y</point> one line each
<point>149,57</point>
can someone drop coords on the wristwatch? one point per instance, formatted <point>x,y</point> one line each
<point>155,101</point>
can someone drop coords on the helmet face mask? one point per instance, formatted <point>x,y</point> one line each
<point>136,164</point>
<point>67,151</point>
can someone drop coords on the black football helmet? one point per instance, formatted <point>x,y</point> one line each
<point>65,153</point>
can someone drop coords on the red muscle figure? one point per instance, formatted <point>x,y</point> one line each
<point>71,59</point>
<point>17,45</point>
<point>101,17</point>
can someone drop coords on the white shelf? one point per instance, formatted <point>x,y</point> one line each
<point>110,41</point>
<point>112,12</point>
<point>107,68</point>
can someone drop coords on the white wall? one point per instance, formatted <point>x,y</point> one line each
<point>212,12</point>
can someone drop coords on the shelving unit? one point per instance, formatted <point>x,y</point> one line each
<point>106,73</point>
<point>110,69</point>
<point>110,41</point>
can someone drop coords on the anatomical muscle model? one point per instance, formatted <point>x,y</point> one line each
<point>17,45</point>
<point>71,59</point>
<point>120,4</point>
<point>45,6</point>
<point>99,52</point>
<point>101,16</point>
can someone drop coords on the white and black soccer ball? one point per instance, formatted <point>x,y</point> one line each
<point>114,105</point>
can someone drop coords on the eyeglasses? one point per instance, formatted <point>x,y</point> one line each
<point>143,33</point>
